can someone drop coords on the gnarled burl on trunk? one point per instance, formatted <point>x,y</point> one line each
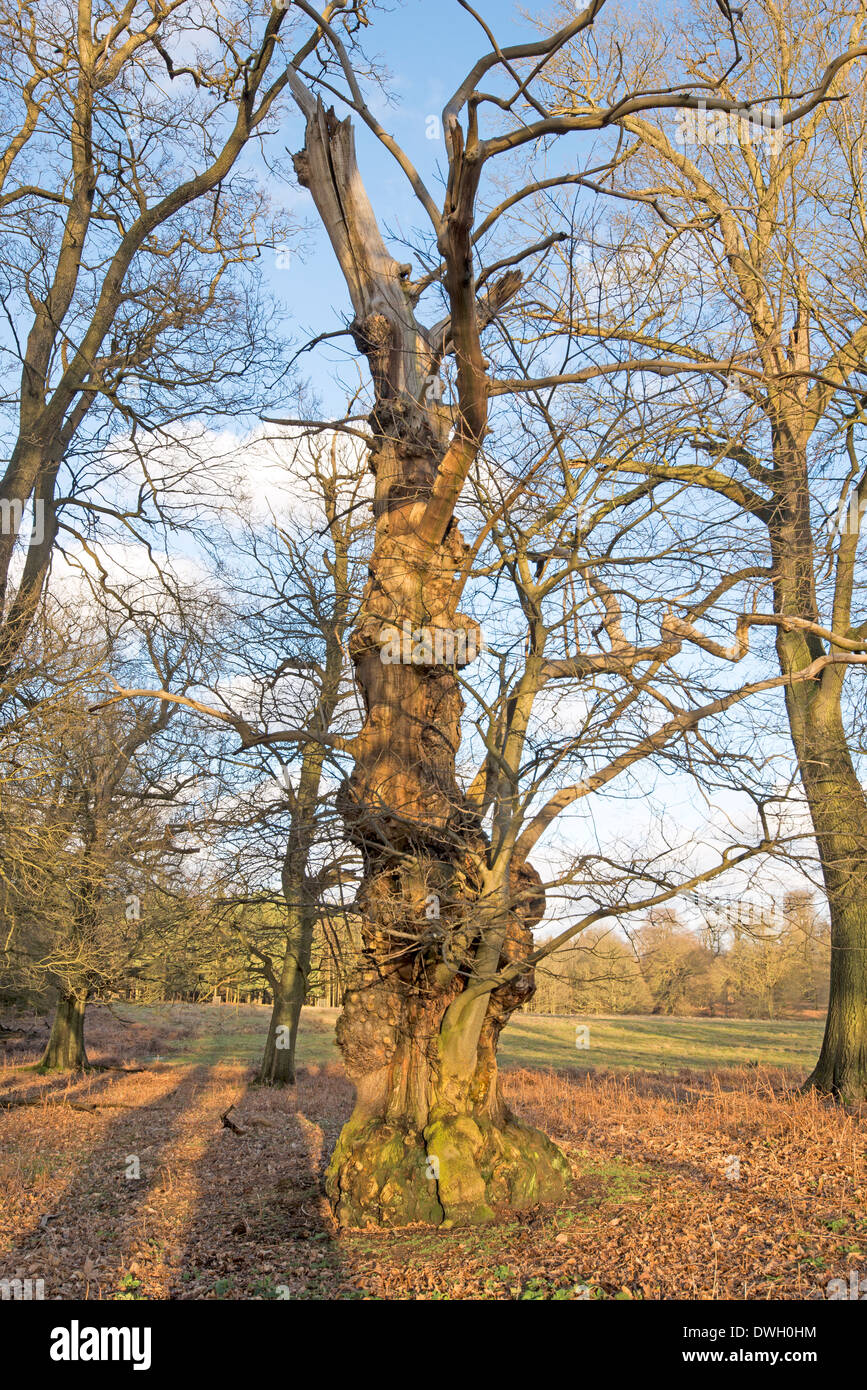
<point>430,1138</point>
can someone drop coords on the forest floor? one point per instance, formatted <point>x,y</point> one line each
<point>688,1182</point>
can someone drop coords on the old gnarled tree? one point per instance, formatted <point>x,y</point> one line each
<point>430,1138</point>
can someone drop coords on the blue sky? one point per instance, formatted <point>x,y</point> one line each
<point>427,46</point>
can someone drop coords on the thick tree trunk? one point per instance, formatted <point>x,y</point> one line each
<point>65,1050</point>
<point>839,815</point>
<point>277,1067</point>
<point>835,797</point>
<point>430,1138</point>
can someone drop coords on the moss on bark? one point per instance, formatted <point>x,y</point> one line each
<point>461,1170</point>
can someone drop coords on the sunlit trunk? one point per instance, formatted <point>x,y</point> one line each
<point>430,1138</point>
<point>278,1062</point>
<point>839,814</point>
<point>835,797</point>
<point>65,1050</point>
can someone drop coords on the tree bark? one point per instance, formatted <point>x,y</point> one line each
<point>835,797</point>
<point>839,815</point>
<point>431,1138</point>
<point>65,1050</point>
<point>278,1062</point>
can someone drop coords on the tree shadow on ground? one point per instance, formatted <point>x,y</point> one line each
<point>262,1227</point>
<point>82,1227</point>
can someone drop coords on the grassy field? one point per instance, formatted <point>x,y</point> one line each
<point>695,1174</point>
<point>227,1033</point>
<point>660,1044</point>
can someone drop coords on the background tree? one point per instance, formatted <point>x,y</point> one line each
<point>295,610</point>
<point>740,244</point>
<point>279,866</point>
<point>672,961</point>
<point>100,802</point>
<point>130,227</point>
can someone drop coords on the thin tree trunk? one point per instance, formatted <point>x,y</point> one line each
<point>278,1062</point>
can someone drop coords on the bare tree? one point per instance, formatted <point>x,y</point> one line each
<point>745,300</point>
<point>293,611</point>
<point>105,794</point>
<point>129,233</point>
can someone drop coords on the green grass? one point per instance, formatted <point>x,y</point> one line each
<point>660,1044</point>
<point>233,1033</point>
<point>228,1033</point>
<point>232,1041</point>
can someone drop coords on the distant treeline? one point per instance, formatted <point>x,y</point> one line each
<point>743,964</point>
